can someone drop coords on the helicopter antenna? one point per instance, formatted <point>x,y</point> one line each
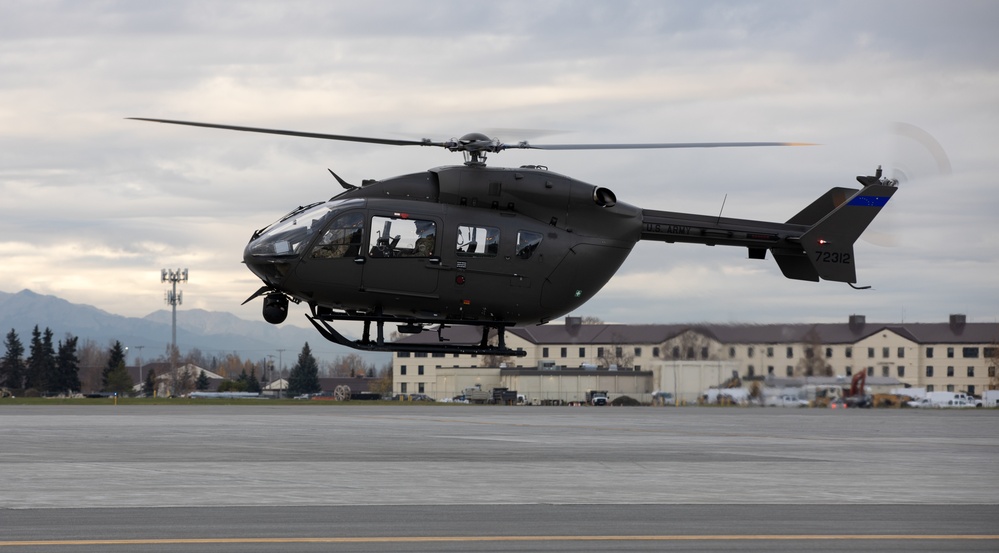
<point>722,207</point>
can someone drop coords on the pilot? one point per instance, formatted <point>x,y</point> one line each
<point>424,246</point>
<point>343,239</point>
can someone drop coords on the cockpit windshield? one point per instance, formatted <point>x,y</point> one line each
<point>290,235</point>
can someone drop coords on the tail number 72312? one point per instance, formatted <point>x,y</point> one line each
<point>834,257</point>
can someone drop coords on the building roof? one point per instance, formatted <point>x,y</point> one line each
<point>957,331</point>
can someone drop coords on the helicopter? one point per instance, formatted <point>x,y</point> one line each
<point>495,247</point>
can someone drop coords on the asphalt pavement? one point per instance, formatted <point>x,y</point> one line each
<point>385,477</point>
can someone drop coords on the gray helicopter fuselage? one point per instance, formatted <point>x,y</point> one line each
<point>513,245</point>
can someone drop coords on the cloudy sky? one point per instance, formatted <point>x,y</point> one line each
<point>92,206</point>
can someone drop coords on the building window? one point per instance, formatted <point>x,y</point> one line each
<point>929,387</point>
<point>704,353</point>
<point>809,353</point>
<point>420,354</point>
<point>971,371</point>
<point>402,370</point>
<point>870,371</point>
<point>901,371</point>
<point>564,352</point>
<point>402,387</point>
<point>770,351</point>
<point>929,353</point>
<point>849,353</point>
<point>828,353</point>
<point>419,370</point>
<point>770,369</point>
<point>901,353</point>
<point>870,353</point>
<point>971,389</point>
<point>544,352</point>
<point>969,353</point>
<point>749,352</point>
<point>600,352</point>
<point>655,352</point>
<point>618,352</point>
<point>992,372</point>
<point>676,352</point>
<point>790,370</point>
<point>988,353</point>
<point>638,352</point>
<point>950,387</point>
<point>731,352</point>
<point>849,371</point>
<point>582,352</point>
<point>884,370</point>
<point>950,355</point>
<point>884,352</point>
<point>929,370</point>
<point>750,371</point>
<point>950,372</point>
<point>790,352</point>
<point>420,388</point>
<point>402,354</point>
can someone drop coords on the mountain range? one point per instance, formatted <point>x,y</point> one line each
<point>212,332</point>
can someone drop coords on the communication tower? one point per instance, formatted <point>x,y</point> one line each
<point>174,298</point>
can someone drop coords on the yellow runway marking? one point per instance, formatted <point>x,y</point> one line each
<point>472,539</point>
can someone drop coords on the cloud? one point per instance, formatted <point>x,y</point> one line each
<point>117,200</point>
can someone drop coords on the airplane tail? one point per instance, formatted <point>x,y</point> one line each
<point>836,220</point>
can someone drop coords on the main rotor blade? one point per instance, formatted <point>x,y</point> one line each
<point>525,145</point>
<point>388,141</point>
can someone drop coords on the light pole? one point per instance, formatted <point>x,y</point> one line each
<point>141,383</point>
<point>173,298</point>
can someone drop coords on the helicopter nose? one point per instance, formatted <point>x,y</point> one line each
<point>270,270</point>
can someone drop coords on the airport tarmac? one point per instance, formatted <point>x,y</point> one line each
<point>454,478</point>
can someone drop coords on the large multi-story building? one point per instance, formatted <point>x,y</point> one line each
<point>951,356</point>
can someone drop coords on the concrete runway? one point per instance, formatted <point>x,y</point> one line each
<point>454,478</point>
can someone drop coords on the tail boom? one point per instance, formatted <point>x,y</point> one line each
<point>815,244</point>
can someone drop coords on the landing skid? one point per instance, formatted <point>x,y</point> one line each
<point>321,320</point>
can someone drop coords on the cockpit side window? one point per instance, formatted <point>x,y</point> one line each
<point>527,242</point>
<point>342,238</point>
<point>402,237</point>
<point>478,241</point>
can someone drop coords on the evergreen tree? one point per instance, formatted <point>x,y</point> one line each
<point>149,386</point>
<point>41,365</point>
<point>252,384</point>
<point>119,381</point>
<point>116,358</point>
<point>68,367</point>
<point>201,384</point>
<point>12,368</point>
<point>48,375</point>
<point>304,377</point>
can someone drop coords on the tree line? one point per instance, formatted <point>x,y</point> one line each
<point>54,368</point>
<point>69,366</point>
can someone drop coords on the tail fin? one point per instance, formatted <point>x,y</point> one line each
<point>828,244</point>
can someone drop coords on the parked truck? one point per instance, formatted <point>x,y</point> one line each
<point>504,396</point>
<point>596,397</point>
<point>477,395</point>
<point>948,399</point>
<point>990,398</point>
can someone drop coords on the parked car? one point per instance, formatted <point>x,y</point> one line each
<point>785,401</point>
